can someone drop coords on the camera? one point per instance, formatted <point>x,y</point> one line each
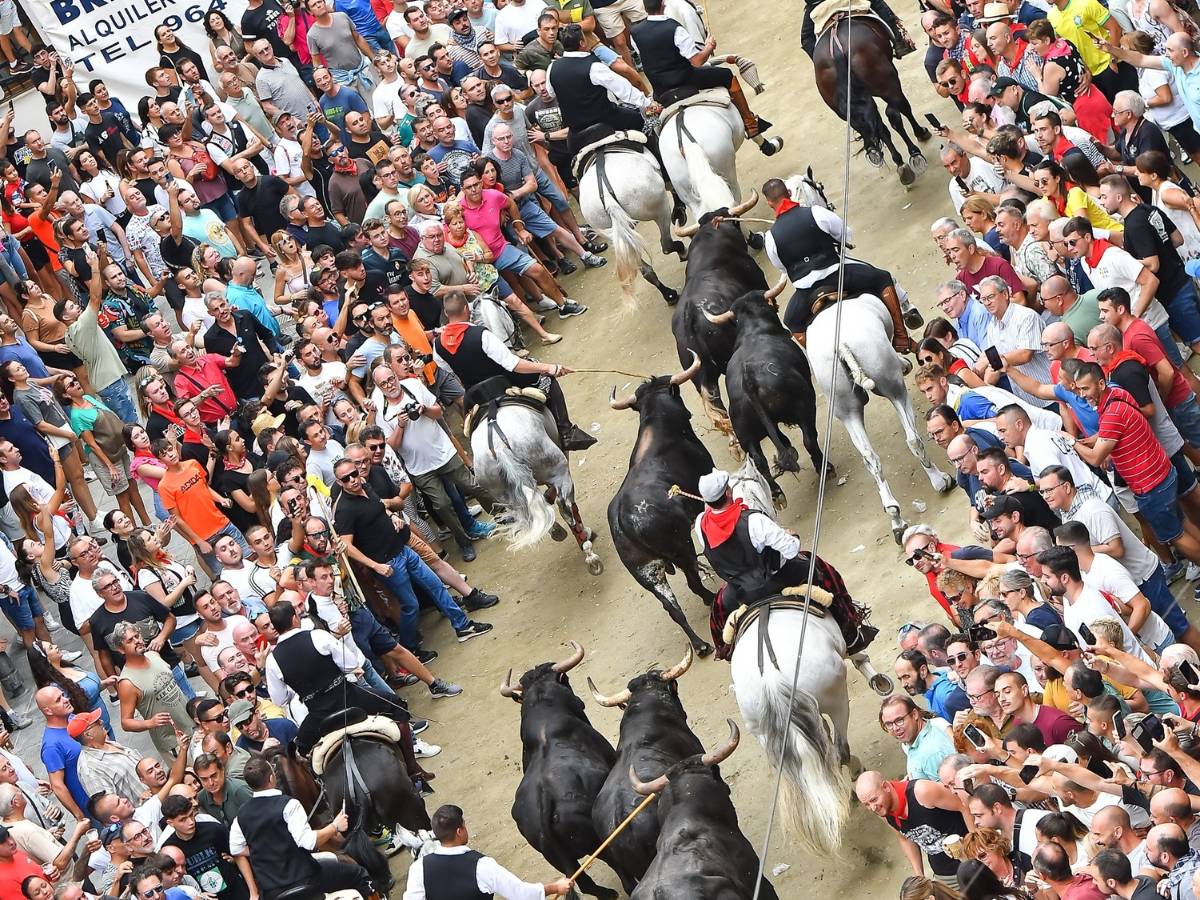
<point>412,410</point>
<point>423,359</point>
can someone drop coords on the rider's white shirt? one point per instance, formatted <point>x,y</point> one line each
<point>602,76</point>
<point>764,532</point>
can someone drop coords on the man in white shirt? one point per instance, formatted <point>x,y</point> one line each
<point>451,861</point>
<point>1016,333</point>
<point>386,106</point>
<point>968,175</point>
<point>323,450</point>
<point>1040,448</point>
<point>1082,605</point>
<point>325,381</point>
<point>289,153</point>
<point>216,632</point>
<point>515,22</point>
<point>1109,266</point>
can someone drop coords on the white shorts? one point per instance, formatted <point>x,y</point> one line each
<point>8,16</point>
<point>612,18</point>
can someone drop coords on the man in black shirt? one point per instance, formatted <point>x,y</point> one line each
<point>154,622</point>
<point>420,295</point>
<point>1151,238</point>
<point>391,262</point>
<point>44,161</point>
<point>104,136</point>
<point>206,854</point>
<point>372,284</point>
<point>258,205</point>
<point>234,326</point>
<point>260,20</point>
<point>319,229</point>
<point>378,540</point>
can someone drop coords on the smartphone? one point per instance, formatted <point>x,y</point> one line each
<point>993,358</point>
<point>1189,672</point>
<point>1119,724</point>
<point>1086,633</point>
<point>933,120</point>
<point>975,736</point>
<point>1147,731</point>
<point>980,633</point>
<point>1028,773</point>
<point>969,785</point>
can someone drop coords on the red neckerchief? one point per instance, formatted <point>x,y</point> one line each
<point>1122,356</point>
<point>453,334</point>
<point>1099,248</point>
<point>785,203</point>
<point>345,164</point>
<point>718,525</point>
<point>167,413</point>
<point>1061,147</point>
<point>901,789</point>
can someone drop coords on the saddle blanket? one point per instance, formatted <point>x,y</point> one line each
<point>825,12</point>
<point>372,726</point>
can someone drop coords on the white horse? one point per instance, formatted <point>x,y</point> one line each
<point>631,190</point>
<point>517,452</point>
<point>698,146</point>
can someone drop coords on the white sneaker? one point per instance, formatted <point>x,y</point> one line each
<point>422,750</point>
<point>1192,573</point>
<point>543,305</point>
<point>53,624</point>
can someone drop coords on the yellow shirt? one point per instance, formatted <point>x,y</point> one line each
<point>1078,22</point>
<point>1081,203</point>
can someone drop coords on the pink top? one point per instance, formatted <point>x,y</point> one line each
<point>485,219</point>
<point>140,458</point>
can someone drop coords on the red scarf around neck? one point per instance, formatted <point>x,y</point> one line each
<point>718,525</point>
<point>453,334</point>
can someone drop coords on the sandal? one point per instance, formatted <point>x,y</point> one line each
<point>595,245</point>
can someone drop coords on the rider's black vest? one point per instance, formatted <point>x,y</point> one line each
<point>802,245</point>
<point>662,62</point>
<point>451,876</point>
<point>745,570</point>
<point>277,862</point>
<point>473,366</point>
<point>589,104</point>
<point>304,670</point>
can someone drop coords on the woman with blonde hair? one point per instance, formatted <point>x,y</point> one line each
<point>990,847</point>
<point>979,214</point>
<point>294,266</point>
<point>210,264</point>
<point>918,887</point>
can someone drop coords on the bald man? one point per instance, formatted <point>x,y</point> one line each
<point>1081,313</point>
<point>1174,806</point>
<point>60,752</point>
<point>931,813</point>
<point>242,293</point>
<point>1167,848</point>
<point>1112,830</point>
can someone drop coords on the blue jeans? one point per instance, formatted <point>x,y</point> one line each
<point>1163,602</point>
<point>358,79</point>
<point>372,638</point>
<point>550,191</point>
<point>374,681</point>
<point>1186,417</point>
<point>460,506</point>
<point>1160,507</point>
<point>1163,332</point>
<point>210,559</point>
<point>1184,313</point>
<point>116,397</point>
<point>22,608</point>
<point>407,568</point>
<point>181,680</point>
<point>380,40</point>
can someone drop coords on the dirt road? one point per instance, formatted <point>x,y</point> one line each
<point>548,595</point>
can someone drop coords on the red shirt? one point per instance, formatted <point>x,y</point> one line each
<point>1137,455</point>
<point>1141,339</point>
<point>14,871</point>
<point>1083,888</point>
<point>189,383</point>
<point>992,265</point>
<point>932,577</point>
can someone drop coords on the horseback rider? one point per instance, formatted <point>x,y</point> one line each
<point>671,60</point>
<point>902,44</point>
<point>476,355</point>
<point>758,559</point>
<point>805,243</point>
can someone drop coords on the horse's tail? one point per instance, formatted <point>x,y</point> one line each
<point>815,799</point>
<point>529,517</point>
<point>363,851</point>
<point>857,374</point>
<point>707,183</point>
<point>628,250</point>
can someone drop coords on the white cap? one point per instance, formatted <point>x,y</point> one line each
<point>712,485</point>
<point>1061,753</point>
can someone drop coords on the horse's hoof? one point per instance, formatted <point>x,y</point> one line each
<point>875,157</point>
<point>881,684</point>
<point>670,295</point>
<point>906,365</point>
<point>905,173</point>
<point>756,240</point>
<point>923,134</point>
<point>947,484</point>
<point>830,471</point>
<point>913,319</point>
<point>557,532</point>
<point>702,648</point>
<point>678,249</point>
<point>779,501</point>
<point>595,565</point>
<point>591,535</point>
<point>678,212</point>
<point>919,163</point>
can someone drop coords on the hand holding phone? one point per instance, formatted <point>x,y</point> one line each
<point>993,358</point>
<point>1086,633</point>
<point>976,737</point>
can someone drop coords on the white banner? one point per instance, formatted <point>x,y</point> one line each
<point>114,39</point>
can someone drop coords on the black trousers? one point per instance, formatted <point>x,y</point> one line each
<point>861,278</point>
<point>701,78</point>
<point>1110,82</point>
<point>332,701</point>
<point>334,876</point>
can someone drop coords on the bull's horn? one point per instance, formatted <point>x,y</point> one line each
<point>621,404</point>
<point>684,664</point>
<point>615,700</point>
<point>685,375</point>
<point>685,231</point>
<point>720,319</point>
<point>506,688</point>
<point>746,205</point>
<point>776,290</point>
<point>571,661</point>
<point>723,752</point>
<point>645,788</point>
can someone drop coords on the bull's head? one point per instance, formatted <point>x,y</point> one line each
<point>712,758</point>
<point>717,216</point>
<point>666,676</point>
<point>558,670</point>
<point>680,377</point>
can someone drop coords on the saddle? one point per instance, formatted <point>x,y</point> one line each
<point>361,725</point>
<point>486,408</point>
<point>830,12</point>
<point>791,598</point>
<point>678,99</point>
<point>596,137</point>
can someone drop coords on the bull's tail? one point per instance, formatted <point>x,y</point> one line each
<point>628,251</point>
<point>709,185</point>
<point>815,798</point>
<point>857,374</point>
<point>529,517</point>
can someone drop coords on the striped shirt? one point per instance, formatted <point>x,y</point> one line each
<point>1137,455</point>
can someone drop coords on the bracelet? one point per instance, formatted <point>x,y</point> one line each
<point>520,222</point>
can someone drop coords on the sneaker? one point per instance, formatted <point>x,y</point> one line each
<point>571,308</point>
<point>566,267</point>
<point>543,305</point>
<point>594,261</point>
<point>467,551</point>
<point>402,679</point>
<point>473,629</point>
<point>422,750</point>
<point>191,670</point>
<point>474,508</point>
<point>383,837</point>
<point>20,67</point>
<point>1192,573</point>
<point>477,600</point>
<point>52,623</point>
<point>481,530</point>
<point>24,720</point>
<point>1174,571</point>
<point>70,656</point>
<point>440,689</point>
<point>418,725</point>
<point>425,656</point>
<point>594,245</point>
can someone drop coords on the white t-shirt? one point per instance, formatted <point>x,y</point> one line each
<point>514,22</point>
<point>195,310</point>
<point>1103,524</point>
<point>224,639</point>
<point>386,100</point>
<point>41,491</point>
<point>320,462</point>
<point>1090,606</point>
<point>425,446</point>
<point>288,156</point>
<point>84,599</point>
<point>1117,268</point>
<point>396,25</point>
<point>1149,81</point>
<point>1109,577</point>
<point>1049,448</point>
<point>438,34</point>
<point>318,384</point>
<point>240,579</point>
<point>982,178</point>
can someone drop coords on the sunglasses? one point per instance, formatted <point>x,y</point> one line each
<point>223,717</point>
<point>374,448</point>
<point>247,691</point>
<point>958,658</point>
<point>347,478</point>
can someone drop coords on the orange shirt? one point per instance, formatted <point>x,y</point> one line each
<point>43,229</point>
<point>186,493</point>
<point>413,332</point>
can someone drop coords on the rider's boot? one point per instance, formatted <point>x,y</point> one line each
<point>754,125</point>
<point>678,208</point>
<point>801,338</point>
<point>574,438</point>
<point>902,44</point>
<point>901,342</point>
<point>861,639</point>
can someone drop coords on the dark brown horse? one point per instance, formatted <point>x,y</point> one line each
<point>861,44</point>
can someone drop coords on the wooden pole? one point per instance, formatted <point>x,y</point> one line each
<point>608,840</point>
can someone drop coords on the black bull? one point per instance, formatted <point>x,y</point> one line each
<point>564,762</point>
<point>770,383</point>
<point>651,530</point>
<point>654,736</point>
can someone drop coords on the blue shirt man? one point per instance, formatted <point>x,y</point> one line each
<point>248,298</point>
<point>336,107</point>
<point>973,322</point>
<point>945,698</point>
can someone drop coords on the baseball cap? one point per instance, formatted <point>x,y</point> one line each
<point>1061,753</point>
<point>457,14</point>
<point>82,722</point>
<point>1001,505</point>
<point>240,712</point>
<point>1059,637</point>
<point>1001,85</point>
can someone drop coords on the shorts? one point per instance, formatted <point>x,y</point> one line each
<point>550,191</point>
<point>56,360</point>
<point>184,633</point>
<point>539,224</point>
<point>112,486</point>
<point>223,207</point>
<point>1186,417</point>
<point>1184,473</point>
<point>1160,508</point>
<point>513,258</point>
<point>370,636</point>
<point>22,609</point>
<point>8,16</point>
<point>446,386</point>
<point>423,550</point>
<point>612,18</point>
